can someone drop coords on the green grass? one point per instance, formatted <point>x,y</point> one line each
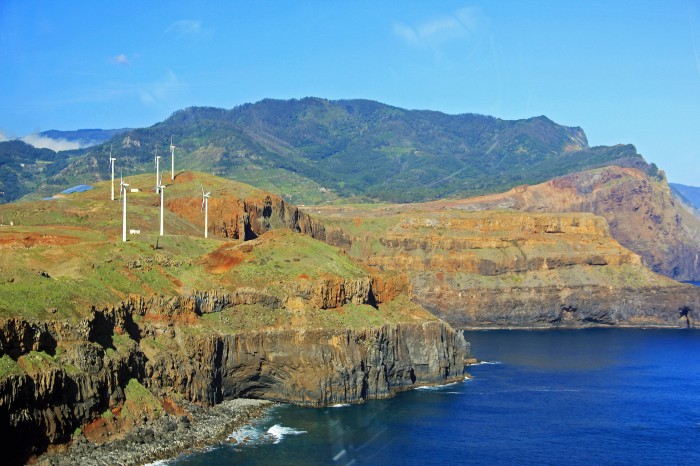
<point>247,318</point>
<point>90,267</point>
<point>9,367</point>
<point>286,255</point>
<point>107,415</point>
<point>37,361</point>
<point>139,400</point>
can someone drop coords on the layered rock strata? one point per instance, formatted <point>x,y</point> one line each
<point>640,209</point>
<point>510,269</point>
<point>67,374</point>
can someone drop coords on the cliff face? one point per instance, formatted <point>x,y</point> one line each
<point>562,305</point>
<point>69,374</point>
<point>235,218</point>
<point>512,269</point>
<point>540,268</point>
<point>641,211</point>
<point>313,368</point>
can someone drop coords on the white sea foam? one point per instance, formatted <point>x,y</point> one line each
<point>436,387</point>
<point>247,434</point>
<point>157,463</point>
<point>486,362</point>
<point>340,405</point>
<point>280,432</point>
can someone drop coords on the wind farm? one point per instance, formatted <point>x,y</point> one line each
<point>85,233</point>
<point>160,189</point>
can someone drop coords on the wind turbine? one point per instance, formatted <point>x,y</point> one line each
<point>162,190</point>
<point>205,208</point>
<point>122,188</point>
<point>111,163</point>
<point>157,158</point>
<point>172,159</point>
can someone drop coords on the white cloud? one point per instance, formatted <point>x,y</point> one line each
<point>185,26</point>
<point>43,142</point>
<point>3,137</point>
<point>463,24</point>
<point>121,59</point>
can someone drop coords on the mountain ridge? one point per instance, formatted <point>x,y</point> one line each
<point>314,150</point>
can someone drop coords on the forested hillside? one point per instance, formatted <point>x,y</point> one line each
<point>314,150</point>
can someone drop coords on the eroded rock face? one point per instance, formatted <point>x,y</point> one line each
<point>315,367</point>
<point>517,269</point>
<point>246,219</point>
<point>84,369</point>
<point>565,306</point>
<point>641,211</point>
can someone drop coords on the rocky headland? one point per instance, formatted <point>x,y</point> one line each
<point>99,337</point>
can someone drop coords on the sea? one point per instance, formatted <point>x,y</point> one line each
<point>591,396</point>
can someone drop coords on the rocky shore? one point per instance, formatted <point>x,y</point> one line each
<point>163,438</point>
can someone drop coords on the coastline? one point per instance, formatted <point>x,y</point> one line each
<point>572,327</point>
<point>169,436</point>
<point>164,438</point>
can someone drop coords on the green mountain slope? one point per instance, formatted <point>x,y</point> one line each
<point>314,150</point>
<point>23,168</point>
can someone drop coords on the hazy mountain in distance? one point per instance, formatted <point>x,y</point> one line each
<point>23,167</point>
<point>689,194</point>
<point>70,140</point>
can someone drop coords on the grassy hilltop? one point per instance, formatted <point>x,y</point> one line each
<point>65,256</point>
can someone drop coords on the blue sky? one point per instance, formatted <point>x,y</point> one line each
<point>625,71</point>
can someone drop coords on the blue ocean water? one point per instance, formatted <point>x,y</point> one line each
<point>595,396</point>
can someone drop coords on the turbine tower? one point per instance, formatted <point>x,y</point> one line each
<point>157,159</point>
<point>205,208</point>
<point>172,159</point>
<point>162,190</point>
<point>111,163</point>
<point>122,188</point>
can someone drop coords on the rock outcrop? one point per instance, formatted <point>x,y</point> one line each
<point>513,269</point>
<point>98,336</point>
<point>640,209</point>
<point>65,375</point>
<point>312,368</point>
<point>53,393</point>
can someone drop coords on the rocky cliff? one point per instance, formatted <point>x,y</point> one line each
<point>513,269</point>
<point>58,377</point>
<point>640,209</point>
<point>97,335</point>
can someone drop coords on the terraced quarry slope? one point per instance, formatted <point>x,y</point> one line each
<point>95,330</point>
